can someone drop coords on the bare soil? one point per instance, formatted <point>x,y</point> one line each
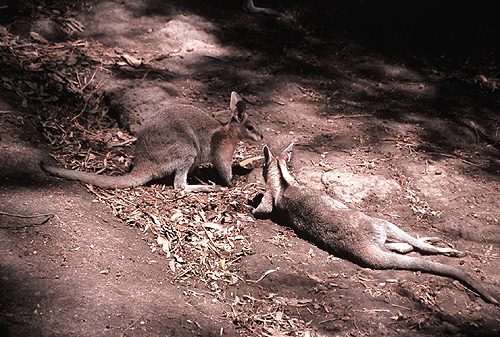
<point>393,109</point>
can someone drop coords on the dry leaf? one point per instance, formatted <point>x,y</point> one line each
<point>38,38</point>
<point>131,60</point>
<point>34,66</point>
<point>213,225</point>
<point>295,302</point>
<point>250,162</point>
<point>176,215</point>
<point>171,265</point>
<point>164,243</point>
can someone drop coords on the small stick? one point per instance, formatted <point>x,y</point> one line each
<point>454,157</point>
<point>348,116</point>
<point>48,215</point>
<point>125,142</point>
<point>262,277</point>
<point>26,216</point>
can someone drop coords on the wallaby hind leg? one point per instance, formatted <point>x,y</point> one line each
<point>426,247</point>
<point>421,243</point>
<point>180,182</point>
<point>249,6</point>
<point>404,248</point>
<point>399,247</point>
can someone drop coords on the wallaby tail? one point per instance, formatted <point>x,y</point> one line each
<point>377,258</point>
<point>129,180</point>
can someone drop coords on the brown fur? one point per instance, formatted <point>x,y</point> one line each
<point>176,140</point>
<point>347,232</point>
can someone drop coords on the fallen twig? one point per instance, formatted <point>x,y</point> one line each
<point>48,215</point>
<point>349,116</point>
<point>454,157</point>
<point>128,141</point>
<point>26,216</point>
<point>265,274</point>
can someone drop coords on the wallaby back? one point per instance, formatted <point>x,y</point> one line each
<point>347,232</point>
<point>175,140</point>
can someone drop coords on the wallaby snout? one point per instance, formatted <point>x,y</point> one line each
<point>250,130</point>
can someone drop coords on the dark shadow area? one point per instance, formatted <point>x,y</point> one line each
<point>202,175</point>
<point>19,176</point>
<point>144,73</point>
<point>206,175</point>
<point>331,46</point>
<point>15,290</point>
<point>451,47</point>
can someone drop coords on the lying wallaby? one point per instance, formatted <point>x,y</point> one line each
<point>176,140</point>
<point>347,232</point>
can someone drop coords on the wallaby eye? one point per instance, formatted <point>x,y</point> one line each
<point>250,128</point>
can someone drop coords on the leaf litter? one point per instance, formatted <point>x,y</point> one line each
<point>199,235</point>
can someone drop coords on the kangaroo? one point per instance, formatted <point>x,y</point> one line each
<point>347,232</point>
<point>176,140</point>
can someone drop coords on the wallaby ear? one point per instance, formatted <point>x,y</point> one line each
<point>282,159</point>
<point>223,116</point>
<point>286,155</point>
<point>267,156</point>
<point>288,152</point>
<point>237,106</point>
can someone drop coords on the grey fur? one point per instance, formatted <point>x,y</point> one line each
<point>347,232</point>
<point>175,140</point>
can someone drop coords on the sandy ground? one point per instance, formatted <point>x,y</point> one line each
<point>400,123</point>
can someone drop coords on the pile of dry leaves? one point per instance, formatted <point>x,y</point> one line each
<point>199,235</point>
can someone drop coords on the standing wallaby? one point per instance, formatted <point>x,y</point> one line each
<point>347,232</point>
<point>175,140</point>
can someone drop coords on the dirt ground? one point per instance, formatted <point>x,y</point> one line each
<point>393,108</point>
